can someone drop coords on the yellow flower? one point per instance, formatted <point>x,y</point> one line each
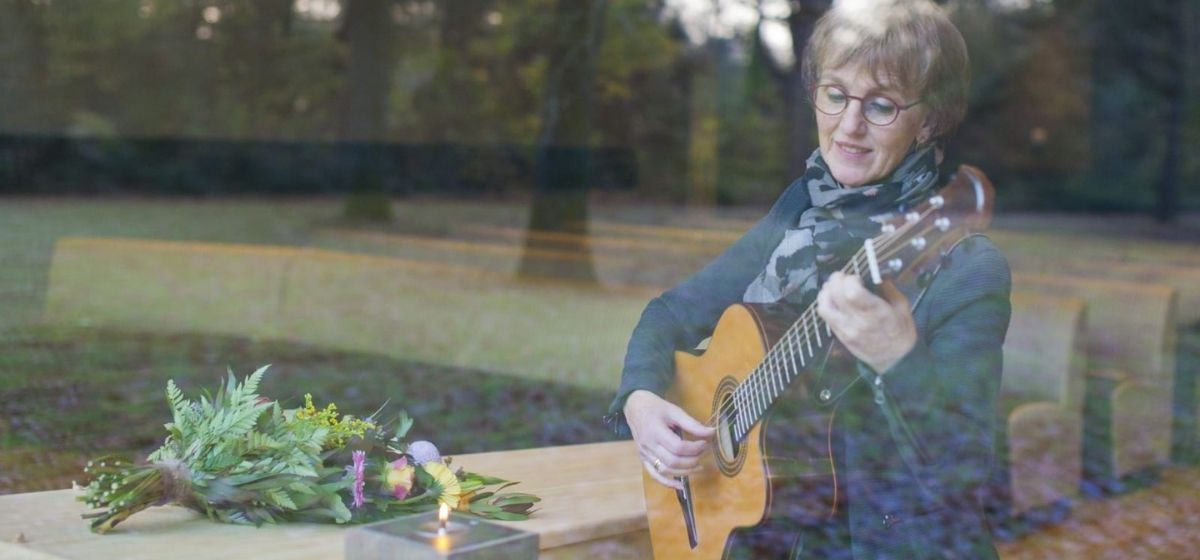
<point>339,430</point>
<point>309,410</point>
<point>464,503</point>
<point>399,479</point>
<point>445,480</point>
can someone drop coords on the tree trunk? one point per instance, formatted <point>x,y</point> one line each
<point>563,150</point>
<point>368,70</point>
<point>449,101</point>
<point>1136,105</point>
<point>367,32</point>
<point>23,75</point>
<point>703,128</point>
<point>1166,206</point>
<point>801,123</point>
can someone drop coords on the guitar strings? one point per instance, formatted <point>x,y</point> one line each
<point>756,381</point>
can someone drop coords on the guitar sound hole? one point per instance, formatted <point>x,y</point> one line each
<point>729,450</point>
<point>727,436</point>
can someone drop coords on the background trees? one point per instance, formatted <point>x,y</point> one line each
<point>1075,105</point>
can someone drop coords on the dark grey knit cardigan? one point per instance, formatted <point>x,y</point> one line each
<point>922,431</point>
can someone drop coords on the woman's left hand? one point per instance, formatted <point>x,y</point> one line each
<point>877,330</point>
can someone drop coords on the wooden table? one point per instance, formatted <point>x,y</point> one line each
<point>591,507</point>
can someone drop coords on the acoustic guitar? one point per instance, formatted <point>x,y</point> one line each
<point>760,353</point>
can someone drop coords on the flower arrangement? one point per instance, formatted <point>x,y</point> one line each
<point>241,458</point>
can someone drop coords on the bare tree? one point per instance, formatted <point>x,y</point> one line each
<point>563,153</point>
<point>367,33</point>
<point>801,18</point>
<point>1174,90</point>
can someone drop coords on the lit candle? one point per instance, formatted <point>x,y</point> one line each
<point>443,517</point>
<point>429,536</point>
<point>441,543</point>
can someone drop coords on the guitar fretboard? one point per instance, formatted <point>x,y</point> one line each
<point>809,336</point>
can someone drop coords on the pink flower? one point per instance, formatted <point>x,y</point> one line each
<point>360,460</point>
<point>399,478</point>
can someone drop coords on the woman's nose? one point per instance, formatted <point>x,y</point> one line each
<point>851,121</point>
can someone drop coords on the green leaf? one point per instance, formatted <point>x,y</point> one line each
<point>281,498</point>
<point>510,499</point>
<point>488,480</point>
<point>508,516</point>
<point>469,485</point>
<point>342,512</point>
<point>403,424</point>
<point>484,507</point>
<point>505,485</point>
<point>301,488</point>
<point>251,386</point>
<point>482,496</point>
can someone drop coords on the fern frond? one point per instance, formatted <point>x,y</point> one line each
<point>176,401</point>
<point>280,498</point>
<point>250,387</point>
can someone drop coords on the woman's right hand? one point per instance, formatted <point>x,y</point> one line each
<point>654,423</point>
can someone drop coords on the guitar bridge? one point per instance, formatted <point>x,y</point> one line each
<point>689,513</point>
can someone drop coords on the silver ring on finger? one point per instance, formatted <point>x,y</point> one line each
<point>658,464</point>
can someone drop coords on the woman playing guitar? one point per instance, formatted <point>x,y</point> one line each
<point>912,435</point>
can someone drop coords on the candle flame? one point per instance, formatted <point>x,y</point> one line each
<point>443,514</point>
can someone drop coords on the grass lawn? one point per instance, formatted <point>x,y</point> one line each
<point>69,394</point>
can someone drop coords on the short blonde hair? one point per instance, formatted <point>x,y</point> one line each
<point>910,44</point>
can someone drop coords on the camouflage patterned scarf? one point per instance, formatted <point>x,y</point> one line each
<point>836,225</point>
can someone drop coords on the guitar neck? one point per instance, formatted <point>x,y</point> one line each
<point>793,355</point>
<point>906,245</point>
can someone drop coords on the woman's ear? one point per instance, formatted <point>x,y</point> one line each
<point>926,133</point>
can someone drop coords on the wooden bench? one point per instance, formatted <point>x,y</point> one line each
<point>1186,280</point>
<point>1040,447</point>
<point>464,316</point>
<point>1095,247</point>
<point>612,262</point>
<point>552,330</point>
<point>1018,242</point>
<point>1130,343</point>
<point>592,508</point>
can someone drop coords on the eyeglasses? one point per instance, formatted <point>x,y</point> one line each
<point>878,110</point>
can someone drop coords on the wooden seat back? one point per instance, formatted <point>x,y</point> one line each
<point>1044,352</point>
<point>1130,327</point>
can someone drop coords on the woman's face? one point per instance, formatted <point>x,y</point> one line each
<point>857,152</point>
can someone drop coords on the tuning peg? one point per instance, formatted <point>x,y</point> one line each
<point>942,223</point>
<point>937,201</point>
<point>912,217</point>
<point>895,265</point>
<point>918,243</point>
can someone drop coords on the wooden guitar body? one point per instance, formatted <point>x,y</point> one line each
<point>736,485</point>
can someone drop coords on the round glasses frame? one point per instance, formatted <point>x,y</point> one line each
<point>862,104</point>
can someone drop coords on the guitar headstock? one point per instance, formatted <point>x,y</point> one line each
<point>914,243</point>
